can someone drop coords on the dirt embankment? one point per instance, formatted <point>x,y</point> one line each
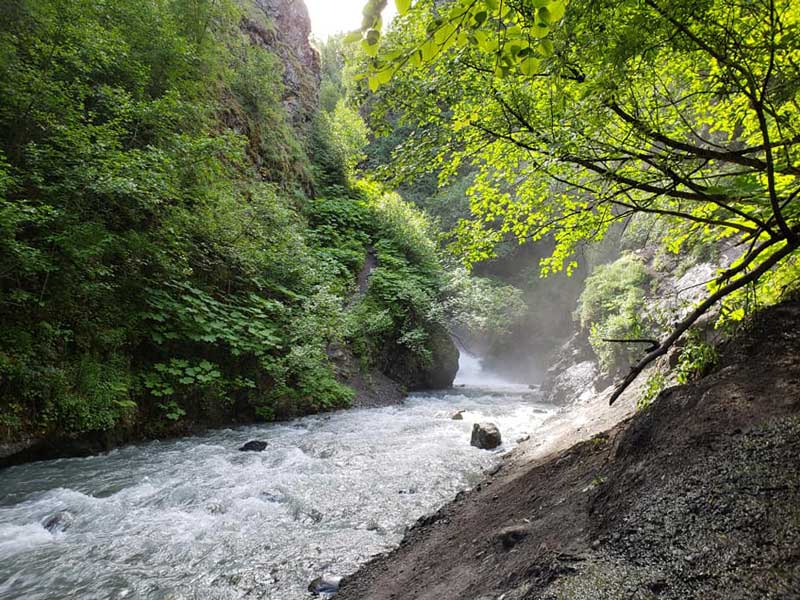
<point>697,497</point>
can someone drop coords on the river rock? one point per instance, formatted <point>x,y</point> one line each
<point>325,586</point>
<point>60,521</point>
<point>458,415</point>
<point>254,446</point>
<point>485,436</point>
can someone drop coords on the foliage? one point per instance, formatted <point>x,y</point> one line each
<point>518,46</point>
<point>652,388</point>
<point>484,309</point>
<point>96,396</point>
<point>332,65</point>
<point>696,359</point>
<point>171,247</point>
<point>683,110</point>
<point>612,307</point>
<point>391,327</point>
<point>350,133</point>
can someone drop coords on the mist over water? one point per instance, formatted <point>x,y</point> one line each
<point>196,519</point>
<point>472,374</point>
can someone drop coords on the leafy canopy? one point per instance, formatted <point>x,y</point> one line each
<point>686,110</point>
<point>512,34</point>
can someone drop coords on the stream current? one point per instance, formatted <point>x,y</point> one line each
<point>197,519</point>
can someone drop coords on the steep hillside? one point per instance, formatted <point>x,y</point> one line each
<point>694,497</point>
<point>179,239</point>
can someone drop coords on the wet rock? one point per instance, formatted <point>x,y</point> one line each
<point>325,586</point>
<point>485,436</point>
<point>60,521</point>
<point>458,415</point>
<point>254,446</point>
<point>438,373</point>
<point>494,470</point>
<point>575,382</point>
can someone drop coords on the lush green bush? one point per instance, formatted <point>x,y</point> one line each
<point>696,359</point>
<point>612,306</point>
<point>484,309</point>
<point>391,328</point>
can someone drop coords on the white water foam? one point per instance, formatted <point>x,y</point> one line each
<point>196,519</point>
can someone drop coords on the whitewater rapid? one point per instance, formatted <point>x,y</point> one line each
<point>197,519</point>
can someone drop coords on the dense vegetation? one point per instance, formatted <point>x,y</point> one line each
<point>174,251</point>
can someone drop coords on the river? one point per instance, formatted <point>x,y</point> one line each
<point>197,519</point>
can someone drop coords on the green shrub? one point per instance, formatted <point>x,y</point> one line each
<point>485,309</point>
<point>96,396</point>
<point>696,359</point>
<point>652,388</point>
<point>612,306</point>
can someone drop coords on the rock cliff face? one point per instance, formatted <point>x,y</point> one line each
<point>288,36</point>
<point>575,375</point>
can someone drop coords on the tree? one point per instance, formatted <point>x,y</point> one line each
<point>687,110</point>
<point>513,34</point>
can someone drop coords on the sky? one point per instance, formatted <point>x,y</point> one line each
<point>329,17</point>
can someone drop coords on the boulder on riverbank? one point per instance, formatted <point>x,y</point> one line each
<point>485,436</point>
<point>417,373</point>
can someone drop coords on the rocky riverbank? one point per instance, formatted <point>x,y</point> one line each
<point>696,497</point>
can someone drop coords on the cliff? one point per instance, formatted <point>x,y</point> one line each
<point>287,33</point>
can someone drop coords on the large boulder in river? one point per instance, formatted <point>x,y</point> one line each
<point>485,436</point>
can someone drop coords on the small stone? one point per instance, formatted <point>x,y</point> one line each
<point>60,521</point>
<point>327,585</point>
<point>458,415</point>
<point>254,446</point>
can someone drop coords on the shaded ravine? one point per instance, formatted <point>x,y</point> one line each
<point>196,518</point>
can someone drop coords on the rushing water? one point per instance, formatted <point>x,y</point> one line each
<point>195,518</point>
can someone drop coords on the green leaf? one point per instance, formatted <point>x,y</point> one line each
<point>530,66</point>
<point>402,6</point>
<point>370,49</point>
